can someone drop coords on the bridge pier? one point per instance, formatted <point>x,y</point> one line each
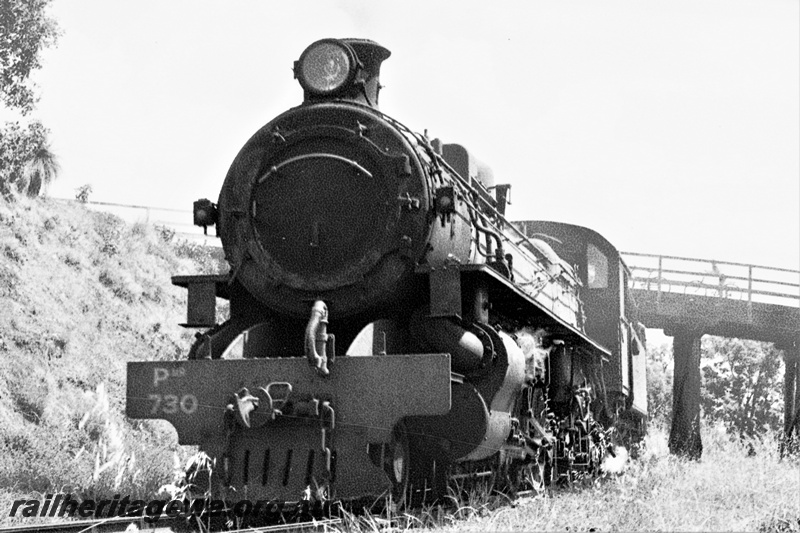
<point>791,398</point>
<point>684,436</point>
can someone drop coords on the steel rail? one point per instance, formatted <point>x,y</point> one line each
<point>106,525</point>
<point>300,526</point>
<point>163,524</point>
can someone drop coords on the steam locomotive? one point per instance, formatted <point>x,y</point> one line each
<point>390,330</point>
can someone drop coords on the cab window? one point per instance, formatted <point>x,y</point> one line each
<point>597,268</point>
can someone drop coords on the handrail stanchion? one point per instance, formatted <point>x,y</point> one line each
<point>750,293</point>
<point>658,297</point>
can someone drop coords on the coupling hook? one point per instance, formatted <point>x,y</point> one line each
<point>316,338</point>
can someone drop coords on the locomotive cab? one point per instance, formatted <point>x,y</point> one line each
<point>610,312</point>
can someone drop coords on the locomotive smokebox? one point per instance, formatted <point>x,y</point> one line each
<point>329,201</point>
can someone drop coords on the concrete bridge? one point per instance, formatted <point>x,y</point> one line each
<point>689,298</point>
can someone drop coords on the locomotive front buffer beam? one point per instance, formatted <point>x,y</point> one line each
<point>282,429</point>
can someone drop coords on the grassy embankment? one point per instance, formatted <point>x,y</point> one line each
<point>81,294</point>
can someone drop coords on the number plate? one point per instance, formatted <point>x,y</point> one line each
<point>366,391</point>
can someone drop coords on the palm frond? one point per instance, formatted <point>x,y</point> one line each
<point>39,171</point>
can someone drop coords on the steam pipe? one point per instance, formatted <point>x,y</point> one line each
<point>443,335</point>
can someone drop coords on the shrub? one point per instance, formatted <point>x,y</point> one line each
<point>742,385</point>
<point>659,383</point>
<point>209,259</point>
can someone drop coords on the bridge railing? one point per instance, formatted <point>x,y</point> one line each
<point>711,278</point>
<point>177,220</point>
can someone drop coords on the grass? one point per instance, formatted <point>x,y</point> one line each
<point>81,294</point>
<point>725,491</point>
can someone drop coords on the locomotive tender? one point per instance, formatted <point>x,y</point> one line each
<point>460,345</point>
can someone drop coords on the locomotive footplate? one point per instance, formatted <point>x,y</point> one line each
<point>280,431</point>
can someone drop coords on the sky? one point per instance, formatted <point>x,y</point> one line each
<point>669,127</point>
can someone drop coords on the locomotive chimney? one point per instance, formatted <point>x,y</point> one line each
<point>341,69</point>
<point>371,55</point>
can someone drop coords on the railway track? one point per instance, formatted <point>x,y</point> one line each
<point>164,525</point>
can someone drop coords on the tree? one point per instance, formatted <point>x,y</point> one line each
<point>659,383</point>
<point>25,30</point>
<point>26,161</point>
<point>742,385</point>
<point>40,170</point>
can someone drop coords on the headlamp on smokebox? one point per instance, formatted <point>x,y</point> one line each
<point>326,67</point>
<point>205,214</point>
